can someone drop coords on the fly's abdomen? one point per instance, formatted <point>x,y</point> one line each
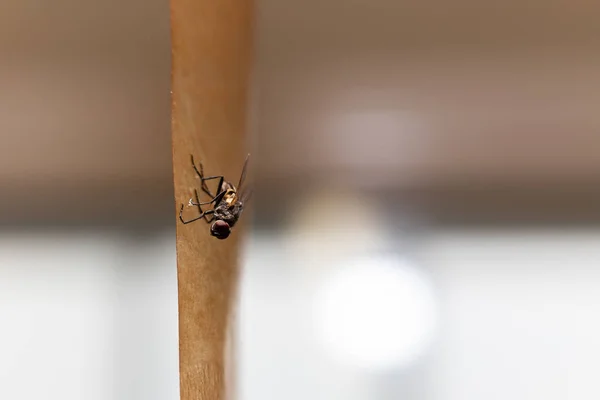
<point>229,214</point>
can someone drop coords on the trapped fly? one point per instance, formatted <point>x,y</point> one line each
<point>227,205</point>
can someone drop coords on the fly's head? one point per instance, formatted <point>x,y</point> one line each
<point>220,229</point>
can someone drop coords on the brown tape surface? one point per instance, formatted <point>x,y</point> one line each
<point>211,56</point>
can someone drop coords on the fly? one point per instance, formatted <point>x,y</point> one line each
<point>227,204</point>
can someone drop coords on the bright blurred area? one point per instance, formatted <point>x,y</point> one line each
<point>426,221</point>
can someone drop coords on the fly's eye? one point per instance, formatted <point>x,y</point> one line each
<point>220,229</point>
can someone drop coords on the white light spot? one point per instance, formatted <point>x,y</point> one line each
<point>376,313</point>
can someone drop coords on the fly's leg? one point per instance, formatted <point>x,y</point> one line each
<point>215,200</point>
<point>203,214</point>
<point>198,204</point>
<point>203,179</point>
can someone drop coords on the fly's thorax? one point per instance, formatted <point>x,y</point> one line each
<point>230,197</point>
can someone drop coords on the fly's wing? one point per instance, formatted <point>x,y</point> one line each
<point>244,190</point>
<point>244,198</point>
<point>246,195</point>
<point>240,186</point>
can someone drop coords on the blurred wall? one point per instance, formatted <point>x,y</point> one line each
<point>88,313</point>
<point>88,296</point>
<point>516,317</point>
<point>460,137</point>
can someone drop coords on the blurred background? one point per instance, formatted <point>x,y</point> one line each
<point>426,221</point>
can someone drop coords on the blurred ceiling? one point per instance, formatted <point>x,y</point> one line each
<point>426,93</point>
<point>84,110</point>
<point>431,92</point>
